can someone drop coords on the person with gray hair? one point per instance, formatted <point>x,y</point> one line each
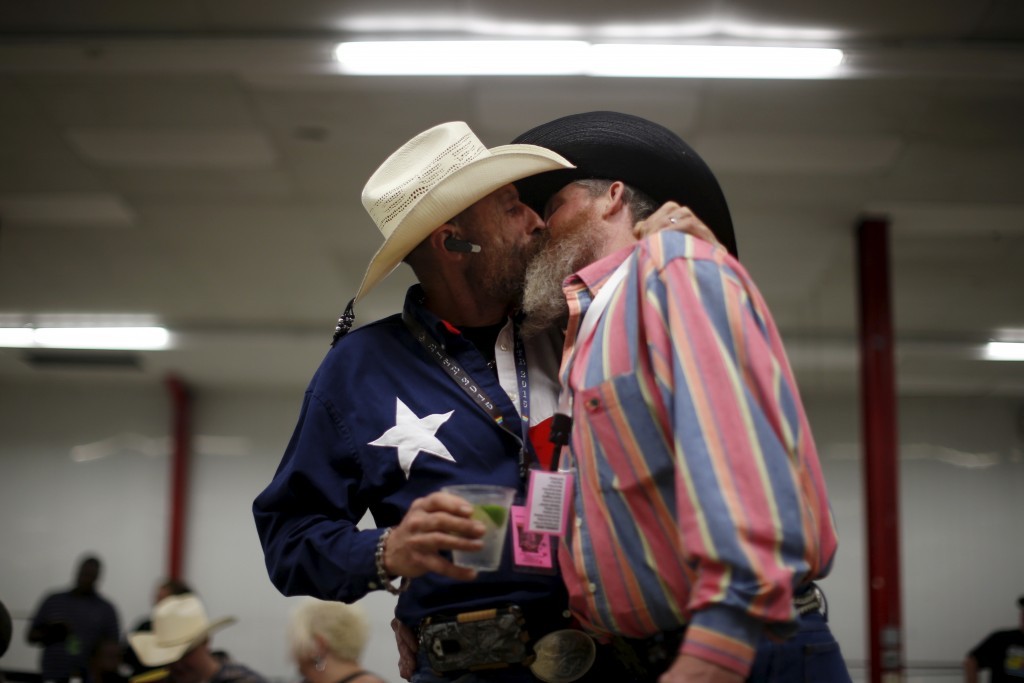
<point>702,520</point>
<point>327,640</point>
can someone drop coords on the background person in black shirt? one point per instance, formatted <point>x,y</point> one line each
<point>1002,653</point>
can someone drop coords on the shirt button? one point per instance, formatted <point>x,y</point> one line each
<point>372,585</point>
<point>593,403</point>
<point>579,522</point>
<point>592,587</point>
<point>567,614</point>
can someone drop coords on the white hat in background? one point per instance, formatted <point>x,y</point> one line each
<point>179,624</point>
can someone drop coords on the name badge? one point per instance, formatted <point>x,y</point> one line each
<point>532,552</point>
<point>548,502</point>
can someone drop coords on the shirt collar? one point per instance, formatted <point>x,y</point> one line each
<point>414,300</point>
<point>593,276</point>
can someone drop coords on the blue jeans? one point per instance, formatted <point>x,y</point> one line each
<point>512,674</point>
<point>811,656</point>
<point>605,670</point>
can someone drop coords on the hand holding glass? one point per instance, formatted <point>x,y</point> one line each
<point>491,507</point>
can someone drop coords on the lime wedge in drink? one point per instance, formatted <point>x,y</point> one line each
<point>493,515</point>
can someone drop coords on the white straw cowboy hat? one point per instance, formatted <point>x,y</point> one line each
<point>434,177</point>
<point>179,624</point>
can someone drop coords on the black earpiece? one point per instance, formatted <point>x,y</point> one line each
<point>455,244</point>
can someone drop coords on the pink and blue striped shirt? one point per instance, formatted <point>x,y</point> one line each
<point>699,498</point>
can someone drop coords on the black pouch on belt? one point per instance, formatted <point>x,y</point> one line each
<point>487,639</point>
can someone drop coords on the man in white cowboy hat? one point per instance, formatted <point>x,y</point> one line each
<point>443,393</point>
<point>180,641</point>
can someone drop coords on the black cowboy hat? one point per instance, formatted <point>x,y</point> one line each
<point>640,153</point>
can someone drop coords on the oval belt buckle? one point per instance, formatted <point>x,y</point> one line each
<point>563,656</point>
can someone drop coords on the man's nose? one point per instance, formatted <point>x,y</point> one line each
<point>536,222</point>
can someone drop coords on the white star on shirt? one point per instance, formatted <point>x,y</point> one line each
<point>412,435</point>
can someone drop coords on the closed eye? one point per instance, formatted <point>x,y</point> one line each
<point>550,209</point>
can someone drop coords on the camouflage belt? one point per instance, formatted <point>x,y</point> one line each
<point>485,639</point>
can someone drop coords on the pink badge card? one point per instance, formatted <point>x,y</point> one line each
<point>548,502</point>
<point>532,552</point>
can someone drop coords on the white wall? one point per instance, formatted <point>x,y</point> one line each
<point>54,509</point>
<point>962,511</point>
<point>961,479</point>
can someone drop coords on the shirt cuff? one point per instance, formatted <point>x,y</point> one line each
<point>360,571</point>
<point>723,636</point>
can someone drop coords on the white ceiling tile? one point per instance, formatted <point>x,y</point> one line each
<point>174,148</point>
<point>66,209</point>
<point>798,153</point>
<point>141,101</point>
<point>839,107</point>
<point>504,109</point>
<point>963,172</point>
<point>217,185</point>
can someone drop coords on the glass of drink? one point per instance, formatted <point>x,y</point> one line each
<point>490,506</point>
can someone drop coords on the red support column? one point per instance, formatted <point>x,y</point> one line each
<point>881,455</point>
<point>181,404</point>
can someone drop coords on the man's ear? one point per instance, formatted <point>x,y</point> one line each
<point>423,255</point>
<point>615,201</point>
<point>436,239</point>
<point>321,643</point>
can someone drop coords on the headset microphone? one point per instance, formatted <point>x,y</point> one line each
<point>455,244</point>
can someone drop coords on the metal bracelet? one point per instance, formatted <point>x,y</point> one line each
<point>382,573</point>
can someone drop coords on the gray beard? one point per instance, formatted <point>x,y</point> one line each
<point>543,299</point>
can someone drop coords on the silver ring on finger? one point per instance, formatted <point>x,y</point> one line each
<point>672,220</point>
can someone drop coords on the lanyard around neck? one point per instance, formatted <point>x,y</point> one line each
<point>468,385</point>
<point>562,426</point>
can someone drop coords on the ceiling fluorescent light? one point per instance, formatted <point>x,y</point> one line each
<point>573,57</point>
<point>421,24</point>
<point>713,61</point>
<point>115,338</point>
<point>16,337</point>
<point>1004,351</point>
<point>462,57</point>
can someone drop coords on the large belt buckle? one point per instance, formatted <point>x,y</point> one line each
<point>563,656</point>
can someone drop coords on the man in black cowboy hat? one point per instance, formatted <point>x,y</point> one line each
<point>702,519</point>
